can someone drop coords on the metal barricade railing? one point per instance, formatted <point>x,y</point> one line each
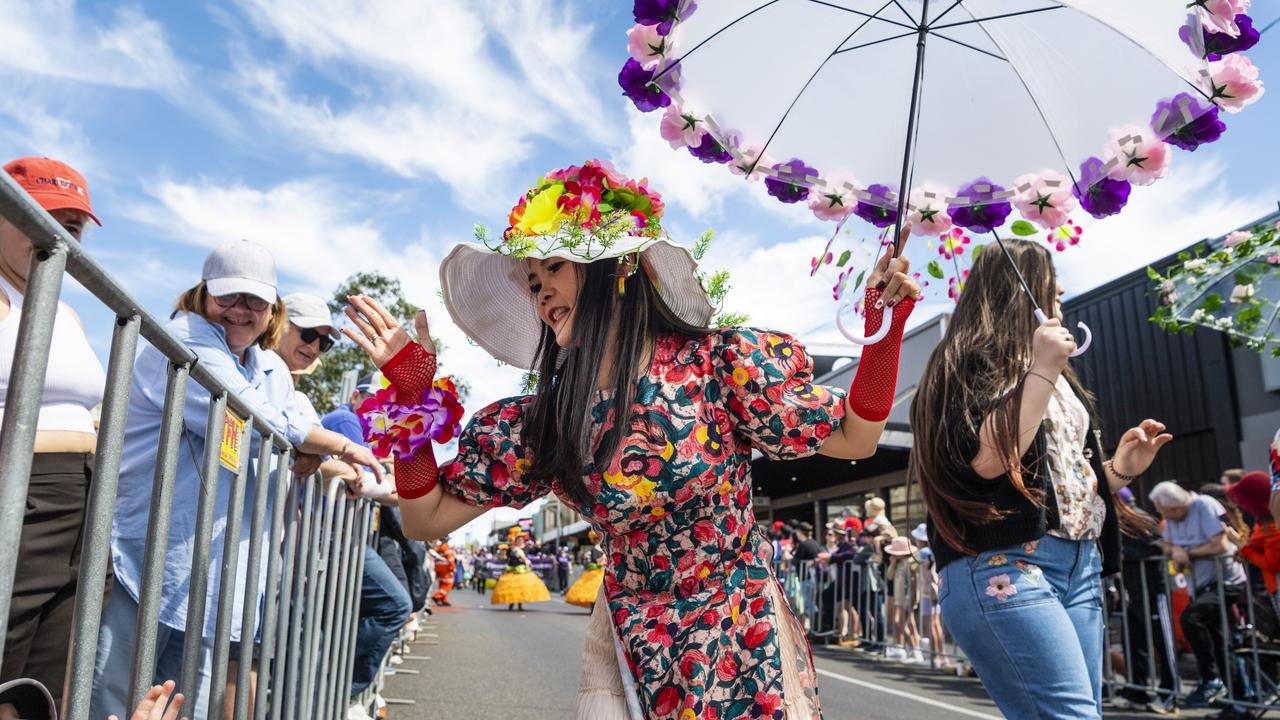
<point>1247,662</point>
<point>820,592</point>
<point>308,543</point>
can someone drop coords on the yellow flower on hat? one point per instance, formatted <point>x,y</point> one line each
<point>542,215</point>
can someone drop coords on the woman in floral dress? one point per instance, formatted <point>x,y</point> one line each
<point>585,289</point>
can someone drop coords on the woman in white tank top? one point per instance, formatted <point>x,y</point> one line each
<point>44,586</point>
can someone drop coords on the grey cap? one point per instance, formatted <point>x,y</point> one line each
<point>30,698</point>
<point>309,311</point>
<point>241,267</point>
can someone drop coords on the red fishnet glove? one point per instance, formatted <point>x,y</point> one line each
<point>871,395</point>
<point>412,371</point>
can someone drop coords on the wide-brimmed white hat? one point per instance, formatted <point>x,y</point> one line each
<point>487,292</point>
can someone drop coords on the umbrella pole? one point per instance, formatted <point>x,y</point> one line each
<point>908,155</point>
<point>1021,280</point>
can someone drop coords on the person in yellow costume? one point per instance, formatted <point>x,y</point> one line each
<point>518,584</point>
<point>584,590</point>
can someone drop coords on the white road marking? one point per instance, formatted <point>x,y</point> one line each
<point>907,695</point>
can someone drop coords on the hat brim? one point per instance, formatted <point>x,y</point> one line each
<point>29,696</point>
<point>309,322</point>
<point>230,286</point>
<point>51,201</point>
<point>487,293</point>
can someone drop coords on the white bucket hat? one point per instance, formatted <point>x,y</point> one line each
<point>487,293</point>
<point>486,286</point>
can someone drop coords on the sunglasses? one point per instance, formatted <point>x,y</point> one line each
<point>253,302</point>
<point>310,335</point>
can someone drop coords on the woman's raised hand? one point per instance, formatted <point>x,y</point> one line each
<point>380,335</point>
<point>890,274</point>
<point>1051,348</point>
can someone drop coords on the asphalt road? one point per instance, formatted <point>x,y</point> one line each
<point>486,662</point>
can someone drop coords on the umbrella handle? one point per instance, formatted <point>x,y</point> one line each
<point>872,339</point>
<point>1088,334</point>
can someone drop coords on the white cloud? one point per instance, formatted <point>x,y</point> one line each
<point>50,39</point>
<point>429,93</point>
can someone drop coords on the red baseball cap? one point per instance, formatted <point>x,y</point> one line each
<point>55,185</point>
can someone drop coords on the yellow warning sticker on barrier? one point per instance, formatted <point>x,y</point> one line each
<point>232,431</point>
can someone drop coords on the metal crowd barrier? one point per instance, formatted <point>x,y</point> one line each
<point>313,542</point>
<point>1250,661</point>
<point>820,592</point>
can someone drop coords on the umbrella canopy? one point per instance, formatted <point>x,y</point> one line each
<point>1234,288</point>
<point>950,113</point>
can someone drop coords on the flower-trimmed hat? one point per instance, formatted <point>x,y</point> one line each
<point>579,213</point>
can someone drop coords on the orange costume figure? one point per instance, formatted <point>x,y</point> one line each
<point>445,565</point>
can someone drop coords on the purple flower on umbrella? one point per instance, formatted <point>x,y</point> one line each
<point>710,150</point>
<point>1186,123</point>
<point>983,211</point>
<point>881,210</point>
<point>637,84</point>
<point>1217,44</point>
<point>791,185</point>
<point>1098,194</point>
<point>662,13</point>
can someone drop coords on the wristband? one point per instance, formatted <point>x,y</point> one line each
<point>1111,465</point>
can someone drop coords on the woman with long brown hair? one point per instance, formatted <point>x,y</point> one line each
<point>1019,493</point>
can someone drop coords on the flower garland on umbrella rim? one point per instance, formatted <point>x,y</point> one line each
<point>585,209</point>
<point>401,428</point>
<point>1217,32</point>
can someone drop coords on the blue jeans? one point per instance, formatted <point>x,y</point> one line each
<point>114,665</point>
<point>1029,618</point>
<point>384,609</point>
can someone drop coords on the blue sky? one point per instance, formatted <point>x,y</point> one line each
<point>351,136</point>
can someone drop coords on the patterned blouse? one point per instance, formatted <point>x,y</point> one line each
<point>1080,508</point>
<point>687,575</point>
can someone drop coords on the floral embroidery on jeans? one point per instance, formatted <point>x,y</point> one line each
<point>1030,547</point>
<point>1001,588</point>
<point>998,560</point>
<point>1032,573</point>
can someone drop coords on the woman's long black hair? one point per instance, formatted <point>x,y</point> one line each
<point>557,427</point>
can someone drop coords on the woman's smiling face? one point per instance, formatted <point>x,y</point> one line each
<point>554,284</point>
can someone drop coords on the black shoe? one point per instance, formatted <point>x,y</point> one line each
<point>1234,712</point>
<point>1205,693</point>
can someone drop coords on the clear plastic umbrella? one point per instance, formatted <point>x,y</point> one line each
<point>1234,288</point>
<point>975,107</point>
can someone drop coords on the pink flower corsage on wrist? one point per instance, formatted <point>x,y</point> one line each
<point>391,426</point>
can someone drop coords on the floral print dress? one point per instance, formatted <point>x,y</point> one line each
<point>688,579</point>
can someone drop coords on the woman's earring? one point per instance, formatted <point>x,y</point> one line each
<point>627,265</point>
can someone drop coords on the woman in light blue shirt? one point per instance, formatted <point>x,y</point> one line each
<point>230,320</point>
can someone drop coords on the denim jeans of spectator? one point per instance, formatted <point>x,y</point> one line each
<point>384,609</point>
<point>111,672</point>
<point>1029,618</point>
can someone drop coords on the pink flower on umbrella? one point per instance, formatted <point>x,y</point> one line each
<point>1236,237</point>
<point>956,286</point>
<point>952,244</point>
<point>1141,157</point>
<point>1221,14</point>
<point>928,214</point>
<point>680,129</point>
<point>1064,236</point>
<point>835,201</point>
<point>1045,199</point>
<point>1235,83</point>
<point>646,45</point>
<point>1001,588</point>
<point>747,159</point>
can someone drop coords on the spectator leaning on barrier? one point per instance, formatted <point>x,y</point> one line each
<point>231,319</point>
<point>1194,538</point>
<point>44,584</point>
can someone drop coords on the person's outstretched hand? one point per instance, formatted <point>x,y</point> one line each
<point>380,335</point>
<point>157,704</point>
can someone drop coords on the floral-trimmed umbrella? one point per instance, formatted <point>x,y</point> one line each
<point>1046,107</point>
<point>1234,288</point>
